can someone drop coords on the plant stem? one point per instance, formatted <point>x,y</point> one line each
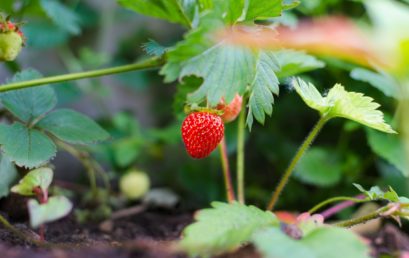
<point>18,233</point>
<point>339,207</point>
<point>42,196</point>
<point>226,171</point>
<point>300,153</point>
<point>352,222</point>
<point>146,64</point>
<point>85,162</point>
<point>240,154</point>
<point>335,199</point>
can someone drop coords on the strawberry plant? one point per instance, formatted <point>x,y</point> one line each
<point>233,61</point>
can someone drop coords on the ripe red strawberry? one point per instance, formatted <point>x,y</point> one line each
<point>232,110</point>
<point>201,133</point>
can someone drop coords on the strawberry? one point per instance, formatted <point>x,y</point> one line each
<point>201,133</point>
<point>232,110</point>
<point>11,41</point>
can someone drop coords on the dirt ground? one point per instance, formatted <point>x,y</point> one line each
<point>150,234</point>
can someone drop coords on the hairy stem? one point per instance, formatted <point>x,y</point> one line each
<point>240,154</point>
<point>146,64</point>
<point>226,171</point>
<point>335,199</point>
<point>355,221</point>
<point>300,153</point>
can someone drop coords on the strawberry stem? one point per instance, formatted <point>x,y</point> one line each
<point>226,171</point>
<point>146,64</point>
<point>240,153</point>
<point>300,153</point>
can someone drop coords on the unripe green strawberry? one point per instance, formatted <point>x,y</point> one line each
<point>201,133</point>
<point>11,41</point>
<point>231,111</point>
<point>134,184</point>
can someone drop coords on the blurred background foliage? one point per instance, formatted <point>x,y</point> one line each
<point>137,109</point>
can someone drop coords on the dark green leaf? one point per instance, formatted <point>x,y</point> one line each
<point>264,85</point>
<point>223,228</point>
<point>72,127</point>
<point>30,103</point>
<point>8,175</point>
<point>389,147</point>
<point>171,10</point>
<point>382,82</point>
<point>263,9</point>
<point>56,208</point>
<point>62,16</point>
<point>26,147</point>
<point>226,70</point>
<point>320,167</point>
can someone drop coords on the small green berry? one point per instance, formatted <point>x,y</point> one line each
<point>10,45</point>
<point>134,184</point>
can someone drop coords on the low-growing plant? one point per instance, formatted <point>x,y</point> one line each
<point>224,75</point>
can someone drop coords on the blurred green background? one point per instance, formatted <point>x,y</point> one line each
<point>137,109</point>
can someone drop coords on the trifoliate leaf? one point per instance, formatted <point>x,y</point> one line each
<point>27,147</point>
<point>294,62</point>
<point>8,175</point>
<point>321,242</point>
<point>264,85</point>
<point>56,208</point>
<point>389,147</point>
<point>62,16</point>
<point>72,127</point>
<point>40,177</point>
<point>381,81</point>
<point>226,70</point>
<point>376,193</point>
<point>224,227</point>
<point>341,103</point>
<point>28,104</point>
<point>319,166</point>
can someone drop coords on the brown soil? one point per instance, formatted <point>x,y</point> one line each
<point>150,234</point>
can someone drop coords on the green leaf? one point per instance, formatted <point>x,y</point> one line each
<point>40,177</point>
<point>320,167</point>
<point>263,9</point>
<point>170,10</point>
<point>224,227</point>
<point>264,85</point>
<point>389,147</point>
<point>30,103</point>
<point>376,193</point>
<point>72,127</point>
<point>381,81</point>
<point>322,242</point>
<point>27,147</point>
<point>340,103</point>
<point>153,48</point>
<point>56,208</point>
<point>8,175</point>
<point>62,16</point>
<point>226,70</point>
<point>294,62</point>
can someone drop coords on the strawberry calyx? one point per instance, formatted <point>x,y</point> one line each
<point>194,108</point>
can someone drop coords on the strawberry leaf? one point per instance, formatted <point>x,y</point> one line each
<point>28,104</point>
<point>72,127</point>
<point>56,208</point>
<point>8,175</point>
<point>341,103</point>
<point>27,147</point>
<point>40,177</point>
<point>376,193</point>
<point>263,9</point>
<point>294,62</point>
<point>62,16</point>
<point>320,242</point>
<point>224,227</point>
